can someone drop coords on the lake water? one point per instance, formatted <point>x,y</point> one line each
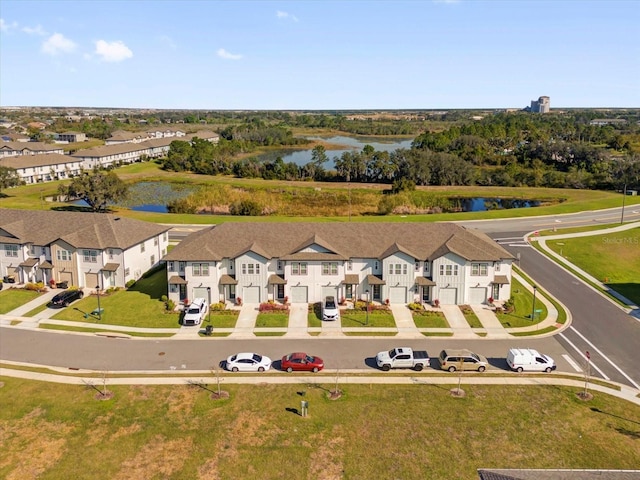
<point>302,157</point>
<point>482,204</point>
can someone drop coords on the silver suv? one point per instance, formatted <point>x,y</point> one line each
<point>330,310</point>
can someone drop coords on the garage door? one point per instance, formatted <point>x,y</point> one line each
<point>477,296</point>
<point>330,292</point>
<point>91,280</point>
<point>251,295</point>
<point>398,295</point>
<point>200,292</point>
<point>299,295</point>
<point>448,296</point>
<point>66,277</point>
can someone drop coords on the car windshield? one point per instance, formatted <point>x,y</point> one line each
<point>193,310</point>
<point>330,303</point>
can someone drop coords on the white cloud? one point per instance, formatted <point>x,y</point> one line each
<point>222,53</point>
<point>5,27</point>
<point>58,43</point>
<point>37,30</point>
<point>167,42</point>
<point>281,14</point>
<point>112,51</point>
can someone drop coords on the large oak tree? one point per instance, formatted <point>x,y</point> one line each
<point>98,189</point>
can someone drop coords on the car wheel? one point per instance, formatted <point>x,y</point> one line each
<point>81,294</point>
<point>452,369</point>
<point>315,370</point>
<point>482,368</point>
<point>289,369</point>
<point>234,369</point>
<point>261,369</point>
<point>548,369</point>
<point>519,369</point>
<point>386,368</point>
<point>66,304</point>
<point>418,367</point>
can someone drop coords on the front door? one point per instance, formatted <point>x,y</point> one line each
<point>183,292</point>
<point>495,291</point>
<point>376,292</point>
<point>426,297</point>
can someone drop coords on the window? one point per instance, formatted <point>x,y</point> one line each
<point>398,268</point>
<point>153,260</point>
<point>329,268</point>
<point>164,236</point>
<point>426,267</point>
<point>200,269</point>
<point>376,266</point>
<point>90,256</point>
<point>11,250</point>
<point>172,266</point>
<point>142,247</point>
<point>497,266</point>
<point>299,268</point>
<point>182,266</point>
<point>448,270</point>
<point>111,253</point>
<point>417,265</point>
<point>126,272</point>
<point>251,269</point>
<point>155,241</point>
<point>32,249</point>
<point>350,265</point>
<point>280,265</point>
<point>479,269</point>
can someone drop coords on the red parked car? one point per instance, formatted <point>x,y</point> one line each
<point>301,362</point>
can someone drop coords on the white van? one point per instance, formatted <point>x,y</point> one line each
<point>195,312</point>
<point>529,360</point>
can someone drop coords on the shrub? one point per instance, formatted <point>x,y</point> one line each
<point>273,307</point>
<point>249,208</point>
<point>163,298</point>
<point>36,287</point>
<point>169,305</point>
<point>415,307</point>
<point>130,283</point>
<point>218,307</point>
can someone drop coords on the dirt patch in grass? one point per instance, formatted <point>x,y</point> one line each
<point>32,444</point>
<point>325,462</point>
<point>159,458</point>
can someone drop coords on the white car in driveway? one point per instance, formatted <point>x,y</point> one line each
<point>248,362</point>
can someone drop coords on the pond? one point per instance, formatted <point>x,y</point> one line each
<point>302,157</point>
<point>151,196</point>
<point>482,204</point>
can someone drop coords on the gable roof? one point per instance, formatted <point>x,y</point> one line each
<point>37,160</point>
<point>349,240</point>
<point>78,229</point>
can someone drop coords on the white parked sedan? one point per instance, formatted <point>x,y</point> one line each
<point>248,362</point>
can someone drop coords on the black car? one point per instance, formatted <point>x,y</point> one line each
<point>63,299</point>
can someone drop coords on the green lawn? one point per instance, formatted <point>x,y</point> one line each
<point>523,302</point>
<point>313,320</point>
<point>430,319</point>
<point>377,318</point>
<point>12,298</point>
<point>139,306</point>
<point>612,258</point>
<point>470,316</point>
<point>180,432</point>
<point>272,320</point>
<point>225,319</point>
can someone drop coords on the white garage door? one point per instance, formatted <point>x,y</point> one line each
<point>477,296</point>
<point>448,296</point>
<point>251,295</point>
<point>200,292</point>
<point>91,280</point>
<point>330,292</point>
<point>398,295</point>
<point>299,295</point>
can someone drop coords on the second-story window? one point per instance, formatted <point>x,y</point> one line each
<point>280,265</point>
<point>299,268</point>
<point>142,247</point>
<point>182,266</point>
<point>11,250</point>
<point>90,256</point>
<point>200,269</point>
<point>329,268</point>
<point>350,265</point>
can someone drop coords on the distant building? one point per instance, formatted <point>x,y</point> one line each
<point>542,105</point>
<point>599,122</point>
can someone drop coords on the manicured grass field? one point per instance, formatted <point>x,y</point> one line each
<point>612,258</point>
<point>12,298</point>
<point>272,320</point>
<point>138,306</point>
<point>180,432</point>
<point>523,302</point>
<point>377,318</point>
<point>226,319</point>
<point>430,319</point>
<point>470,316</point>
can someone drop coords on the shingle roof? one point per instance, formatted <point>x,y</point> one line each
<point>37,160</point>
<point>79,229</point>
<point>346,240</point>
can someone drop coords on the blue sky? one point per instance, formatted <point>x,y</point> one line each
<point>350,54</point>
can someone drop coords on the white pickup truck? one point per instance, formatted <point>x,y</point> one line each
<point>402,357</point>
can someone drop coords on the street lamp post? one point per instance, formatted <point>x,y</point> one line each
<point>367,318</point>
<point>209,306</point>
<point>533,308</point>
<point>99,310</point>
